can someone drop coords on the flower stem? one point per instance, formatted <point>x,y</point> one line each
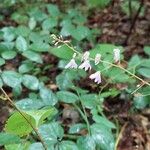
<point>22,114</point>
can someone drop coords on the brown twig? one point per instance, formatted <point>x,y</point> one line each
<point>23,115</point>
<point>134,22</point>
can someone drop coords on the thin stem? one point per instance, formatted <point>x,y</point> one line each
<point>22,114</point>
<point>88,124</point>
<point>83,116</point>
<point>106,62</point>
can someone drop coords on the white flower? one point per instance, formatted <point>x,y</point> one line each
<point>85,65</point>
<point>116,55</point>
<point>96,76</point>
<point>97,59</point>
<point>85,56</point>
<point>72,63</point>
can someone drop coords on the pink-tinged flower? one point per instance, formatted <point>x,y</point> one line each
<point>72,63</point>
<point>97,59</point>
<point>116,55</point>
<point>85,56</point>
<point>85,65</point>
<point>96,77</point>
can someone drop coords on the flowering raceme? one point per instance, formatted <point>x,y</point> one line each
<point>87,66</point>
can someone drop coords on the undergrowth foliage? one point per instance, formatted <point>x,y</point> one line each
<point>43,103</point>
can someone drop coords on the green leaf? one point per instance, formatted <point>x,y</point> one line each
<point>80,33</point>
<point>36,146</point>
<point>64,81</point>
<point>103,137</point>
<point>67,145</point>
<point>6,138</point>
<point>32,23</point>
<point>62,52</point>
<point>29,104</point>
<point>40,115</point>
<point>24,146</point>
<point>141,102</point>
<point>144,72</point>
<point>104,121</point>
<point>53,10</point>
<point>30,82</point>
<point>26,67</point>
<point>2,61</point>
<point>147,50</point>
<point>33,56</point>
<point>9,33</point>
<point>86,143</point>
<point>134,62</point>
<point>11,78</point>
<point>49,23</point>
<point>67,97</point>
<point>18,125</point>
<point>96,3</point>
<point>51,133</point>
<point>48,96</point>
<point>40,46</point>
<point>21,44</point>
<point>8,54</point>
<point>22,31</point>
<point>76,128</point>
<point>1,82</point>
<point>89,100</point>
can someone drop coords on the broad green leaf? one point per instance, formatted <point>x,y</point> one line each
<point>40,115</point>
<point>8,54</point>
<point>89,100</point>
<point>76,128</point>
<point>17,91</point>
<point>144,72</point>
<point>67,29</point>
<point>18,125</point>
<point>86,143</point>
<point>104,121</point>
<point>147,50</point>
<point>40,46</point>
<point>67,145</point>
<point>53,10</point>
<point>80,33</point>
<point>21,146</point>
<point>9,33</point>
<point>62,52</point>
<point>36,146</point>
<point>21,44</point>
<point>26,67</point>
<point>29,104</point>
<point>134,62</point>
<point>11,78</point>
<point>64,81</point>
<point>141,102</point>
<point>96,3</point>
<point>67,97</point>
<point>49,23</point>
<point>7,138</point>
<point>2,61</point>
<point>22,31</point>
<point>102,136</point>
<point>30,82</point>
<point>32,23</point>
<point>33,56</point>
<point>51,133</point>
<point>48,96</point>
